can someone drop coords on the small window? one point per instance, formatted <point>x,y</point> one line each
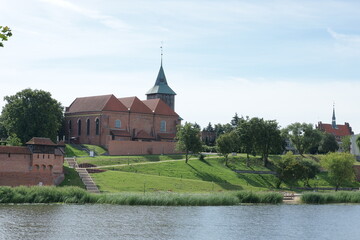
<point>97,126</point>
<point>70,126</point>
<point>118,124</point>
<point>79,127</point>
<point>9,155</point>
<point>163,126</point>
<point>88,127</point>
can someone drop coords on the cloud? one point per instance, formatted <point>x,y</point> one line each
<point>106,20</point>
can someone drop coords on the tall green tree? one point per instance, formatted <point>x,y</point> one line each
<point>32,113</point>
<point>339,167</point>
<point>308,170</point>
<point>358,142</point>
<point>303,136</point>
<point>287,169</point>
<point>247,131</point>
<point>188,139</point>
<point>328,143</point>
<point>269,139</point>
<point>226,144</point>
<point>5,33</point>
<point>346,143</point>
<point>234,122</point>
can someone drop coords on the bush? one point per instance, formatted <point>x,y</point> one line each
<point>334,197</point>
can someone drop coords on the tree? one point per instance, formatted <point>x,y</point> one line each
<point>268,139</point>
<point>235,120</point>
<point>287,169</point>
<point>5,33</point>
<point>188,139</point>
<point>328,143</point>
<point>358,141</point>
<point>246,131</point>
<point>32,113</point>
<point>346,143</point>
<point>13,140</point>
<point>339,167</point>
<point>308,170</point>
<point>226,144</point>
<point>303,136</point>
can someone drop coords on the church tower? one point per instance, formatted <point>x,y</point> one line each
<point>162,90</point>
<point>333,122</point>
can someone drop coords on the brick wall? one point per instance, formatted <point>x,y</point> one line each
<point>141,148</point>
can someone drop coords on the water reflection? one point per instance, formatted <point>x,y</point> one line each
<point>138,222</point>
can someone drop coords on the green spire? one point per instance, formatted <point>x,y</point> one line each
<point>161,85</point>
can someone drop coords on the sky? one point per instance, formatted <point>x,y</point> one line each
<point>285,60</point>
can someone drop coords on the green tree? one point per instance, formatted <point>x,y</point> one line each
<point>328,143</point>
<point>339,167</point>
<point>5,33</point>
<point>303,137</point>
<point>287,169</point>
<point>346,143</point>
<point>13,140</point>
<point>32,113</point>
<point>308,170</point>
<point>188,139</point>
<point>269,139</point>
<point>358,142</point>
<point>234,122</point>
<point>246,131</point>
<point>226,144</point>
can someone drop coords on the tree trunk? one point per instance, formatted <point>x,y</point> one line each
<point>186,156</point>
<point>247,160</point>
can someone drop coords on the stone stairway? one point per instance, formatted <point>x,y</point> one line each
<point>84,175</point>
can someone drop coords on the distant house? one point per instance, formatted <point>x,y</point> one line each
<point>354,149</point>
<point>40,162</point>
<point>338,130</point>
<point>126,126</point>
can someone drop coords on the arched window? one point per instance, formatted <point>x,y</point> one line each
<point>70,125</point>
<point>88,127</point>
<point>79,127</point>
<point>163,126</point>
<point>117,123</point>
<point>97,126</point>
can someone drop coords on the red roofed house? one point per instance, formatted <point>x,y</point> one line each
<point>339,131</point>
<point>126,126</point>
<point>38,163</point>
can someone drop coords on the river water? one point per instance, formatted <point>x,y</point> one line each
<point>61,221</point>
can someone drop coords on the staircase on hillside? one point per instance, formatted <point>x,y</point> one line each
<point>84,175</point>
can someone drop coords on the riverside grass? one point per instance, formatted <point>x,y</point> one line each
<point>77,195</point>
<point>334,197</point>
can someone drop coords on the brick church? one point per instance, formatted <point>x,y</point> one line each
<point>127,125</point>
<point>338,130</point>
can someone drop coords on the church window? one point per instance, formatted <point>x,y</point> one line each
<point>79,127</point>
<point>117,123</point>
<point>88,127</point>
<point>70,125</point>
<point>97,126</point>
<point>163,126</point>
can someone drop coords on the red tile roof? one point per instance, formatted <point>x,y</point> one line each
<point>135,105</point>
<point>14,150</point>
<point>159,107</point>
<point>41,141</point>
<point>121,133</point>
<point>96,104</point>
<point>143,135</point>
<point>341,130</point>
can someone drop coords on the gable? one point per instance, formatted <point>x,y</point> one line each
<point>159,107</point>
<point>135,105</point>
<point>96,104</point>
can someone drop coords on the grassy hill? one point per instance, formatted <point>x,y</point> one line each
<point>153,173</point>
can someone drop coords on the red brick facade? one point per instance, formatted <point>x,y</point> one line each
<point>40,162</point>
<point>108,121</point>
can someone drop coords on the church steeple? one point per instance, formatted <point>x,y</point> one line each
<point>161,88</point>
<point>333,123</point>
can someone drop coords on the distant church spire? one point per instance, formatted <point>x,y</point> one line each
<point>333,123</point>
<point>161,88</point>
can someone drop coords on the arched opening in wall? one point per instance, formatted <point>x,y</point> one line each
<point>37,167</point>
<point>97,123</point>
<point>117,123</point>
<point>43,167</point>
<point>88,127</point>
<point>163,126</point>
<point>79,127</point>
<point>50,167</point>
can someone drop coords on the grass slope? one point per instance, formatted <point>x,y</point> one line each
<point>197,176</point>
